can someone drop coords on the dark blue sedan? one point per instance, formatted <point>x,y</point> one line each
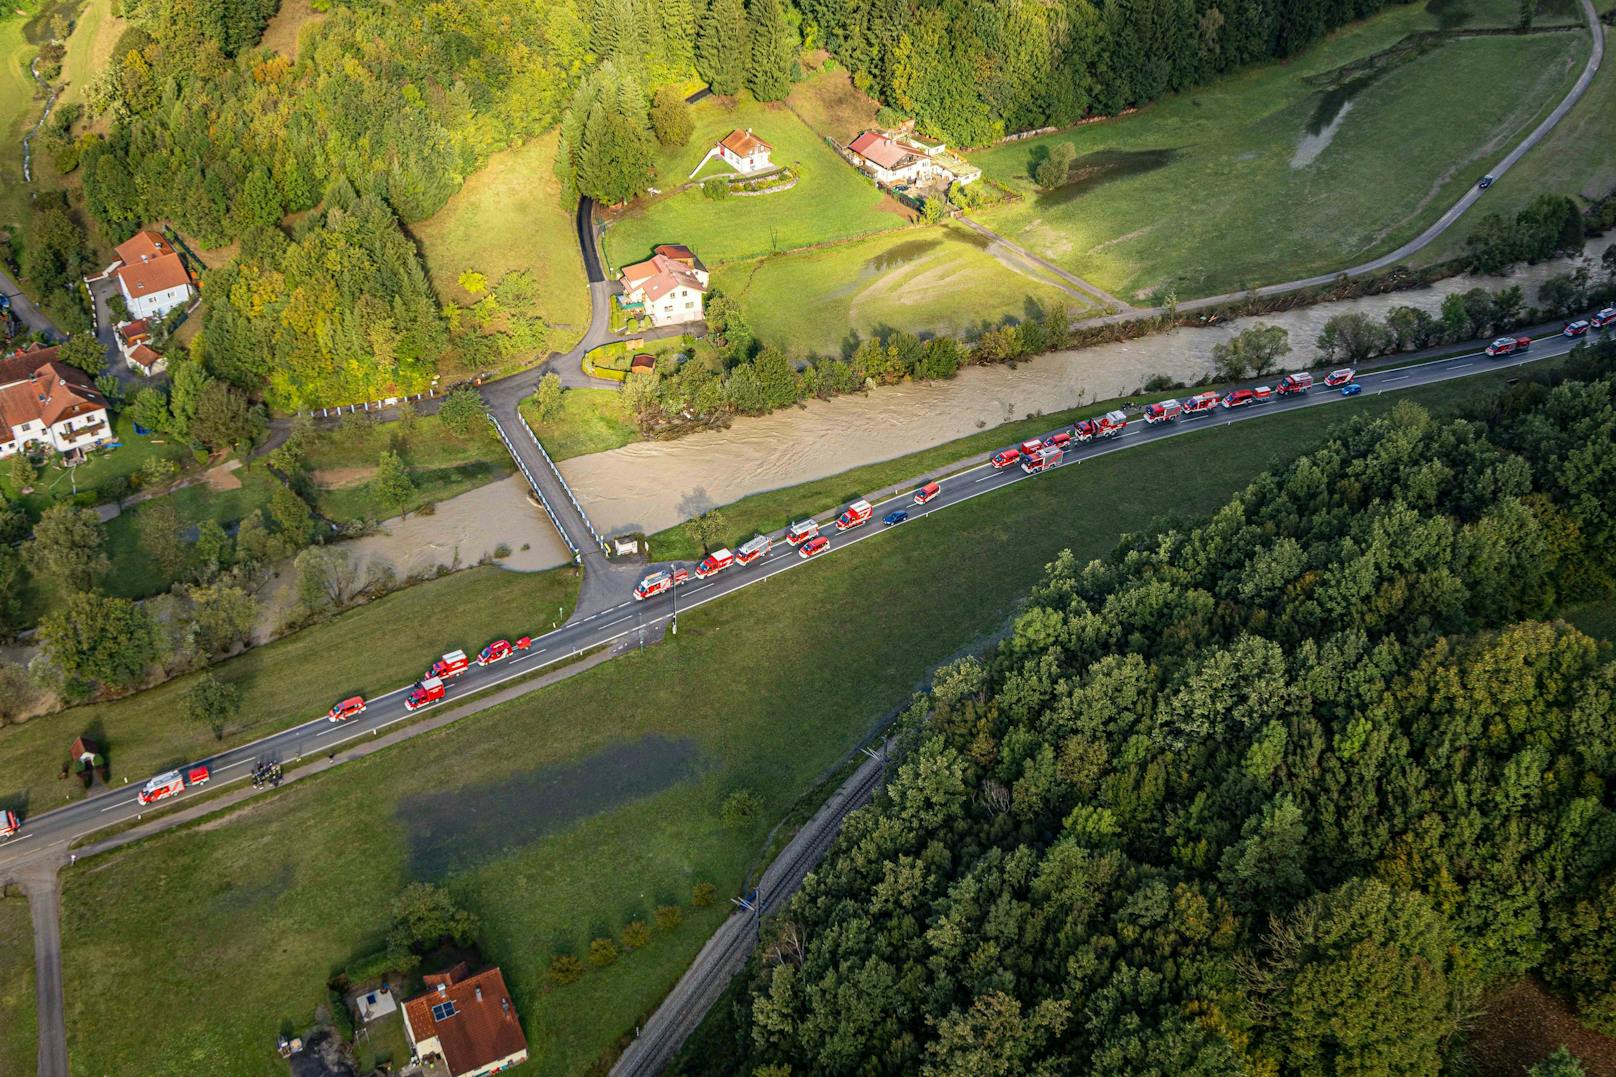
<point>897,516</point>
<point>1352,388</point>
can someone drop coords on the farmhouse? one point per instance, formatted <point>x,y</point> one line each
<point>741,150</point>
<point>43,401</point>
<point>904,159</point>
<point>670,288</point>
<point>465,1022</point>
<point>151,275</point>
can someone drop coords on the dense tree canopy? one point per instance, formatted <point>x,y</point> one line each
<point>1277,792</point>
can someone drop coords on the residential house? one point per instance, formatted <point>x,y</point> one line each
<point>670,287</point>
<point>465,1022</point>
<point>44,401</point>
<point>134,344</point>
<point>151,275</point>
<point>907,160</point>
<point>741,150</point>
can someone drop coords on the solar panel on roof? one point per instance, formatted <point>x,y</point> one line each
<point>443,1010</point>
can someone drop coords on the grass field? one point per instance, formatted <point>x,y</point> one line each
<point>89,49</point>
<point>1577,158</point>
<point>288,21</point>
<point>372,649</point>
<point>18,1020</point>
<point>591,420</point>
<point>832,107</point>
<point>943,280</point>
<point>1285,170</point>
<point>562,815</point>
<point>18,111</point>
<point>509,216</point>
<point>831,201</point>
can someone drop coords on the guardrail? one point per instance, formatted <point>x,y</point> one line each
<point>582,515</point>
<point>371,405</point>
<point>544,502</point>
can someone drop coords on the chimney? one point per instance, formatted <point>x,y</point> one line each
<point>443,989</point>
<point>478,991</point>
<point>505,1005</point>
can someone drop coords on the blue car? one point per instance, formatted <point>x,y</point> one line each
<point>1352,388</point>
<point>897,516</point>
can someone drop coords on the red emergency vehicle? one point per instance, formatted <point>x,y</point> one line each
<point>9,823</point>
<point>165,785</point>
<point>714,563</point>
<point>1164,412</point>
<point>1603,318</point>
<point>1576,329</point>
<point>429,691</point>
<point>1061,439</point>
<point>1238,399</point>
<point>1262,394</point>
<point>197,775</point>
<point>1337,378</point>
<point>497,651</point>
<point>1031,446</point>
<point>818,544</point>
<point>653,585</point>
<point>1108,425</point>
<point>857,514</point>
<point>1005,458</point>
<point>1200,403</point>
<point>801,531</point>
<point>753,550</point>
<point>1047,457</point>
<point>927,492</point>
<point>452,664</point>
<point>1295,384</point>
<point>1508,345</point>
<point>351,707</point>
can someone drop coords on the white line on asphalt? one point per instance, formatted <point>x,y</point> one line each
<point>120,804</point>
<point>1399,377</point>
<point>619,621</point>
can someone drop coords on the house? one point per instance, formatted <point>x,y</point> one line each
<point>908,160</point>
<point>145,360</point>
<point>151,275</point>
<point>745,151</point>
<point>130,334</point>
<point>466,1022</point>
<point>670,288</point>
<point>741,150</point>
<point>44,401</point>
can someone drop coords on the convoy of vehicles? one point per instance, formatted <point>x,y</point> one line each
<point>814,545</point>
<point>452,664</point>
<point>429,691</point>
<point>857,515</point>
<point>1108,425</point>
<point>1335,379</point>
<point>168,784</point>
<point>1577,328</point>
<point>1239,398</point>
<point>753,550</point>
<point>497,651</point>
<point>1201,404</point>
<point>658,582</point>
<point>9,823</point>
<point>1508,345</point>
<point>1165,411</point>
<point>895,517</point>
<point>1352,388</point>
<point>927,492</point>
<point>1005,458</point>
<point>1047,457</point>
<point>801,531</point>
<point>1602,318</point>
<point>714,563</point>
<point>1294,384</point>
<point>352,707</point>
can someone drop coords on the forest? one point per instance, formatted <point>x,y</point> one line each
<point>1282,790</point>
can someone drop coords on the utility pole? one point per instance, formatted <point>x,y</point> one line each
<point>880,756</point>
<point>753,904</point>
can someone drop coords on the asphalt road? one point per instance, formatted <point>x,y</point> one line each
<point>628,617</point>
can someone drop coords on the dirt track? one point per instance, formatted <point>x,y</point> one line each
<point>653,485</point>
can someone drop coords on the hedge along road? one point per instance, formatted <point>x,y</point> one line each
<point>48,834</point>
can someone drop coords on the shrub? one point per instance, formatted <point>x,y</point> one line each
<point>740,809</point>
<point>565,969</point>
<point>703,895</point>
<point>715,189</point>
<point>669,917</point>
<point>636,933</point>
<point>602,952</point>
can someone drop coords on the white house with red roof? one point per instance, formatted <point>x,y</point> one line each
<point>905,159</point>
<point>151,275</point>
<point>670,287</point>
<point>741,150</point>
<point>465,1022</point>
<point>44,401</point>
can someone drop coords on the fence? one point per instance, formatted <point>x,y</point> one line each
<point>371,405</point>
<point>534,485</point>
<point>596,535</point>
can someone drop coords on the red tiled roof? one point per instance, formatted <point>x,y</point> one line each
<point>881,150</point>
<point>155,274</point>
<point>55,391</point>
<point>144,355</point>
<point>23,362</point>
<point>743,143</point>
<point>143,246</point>
<point>68,393</point>
<point>134,332</point>
<point>659,276</point>
<point>483,1027</point>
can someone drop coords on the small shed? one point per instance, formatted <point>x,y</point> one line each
<point>374,1004</point>
<point>643,363</point>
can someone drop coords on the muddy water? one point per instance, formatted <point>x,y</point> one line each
<point>650,486</point>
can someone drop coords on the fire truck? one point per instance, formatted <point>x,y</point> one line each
<point>801,531</point>
<point>714,563</point>
<point>927,492</point>
<point>351,707</point>
<point>658,582</point>
<point>452,664</point>
<point>1047,457</point>
<point>1061,439</point>
<point>1031,446</point>
<point>1295,384</point>
<point>1337,378</point>
<point>429,691</point>
<point>753,550</point>
<point>161,787</point>
<point>1605,317</point>
<point>497,651</point>
<point>857,513</point>
<point>1238,399</point>
<point>1508,346</point>
<point>1262,394</point>
<point>1165,412</point>
<point>9,823</point>
<point>1005,458</point>
<point>1108,425</point>
<point>1201,404</point>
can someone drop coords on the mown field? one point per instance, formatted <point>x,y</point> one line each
<point>1287,170</point>
<point>941,280</point>
<point>18,110</point>
<point>509,216</point>
<point>831,201</point>
<point>18,1017</point>
<point>375,648</point>
<point>591,420</point>
<point>563,815</point>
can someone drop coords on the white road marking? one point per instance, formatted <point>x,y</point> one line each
<point>120,804</point>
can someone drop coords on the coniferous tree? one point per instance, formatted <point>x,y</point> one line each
<point>774,51</point>
<point>721,54</point>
